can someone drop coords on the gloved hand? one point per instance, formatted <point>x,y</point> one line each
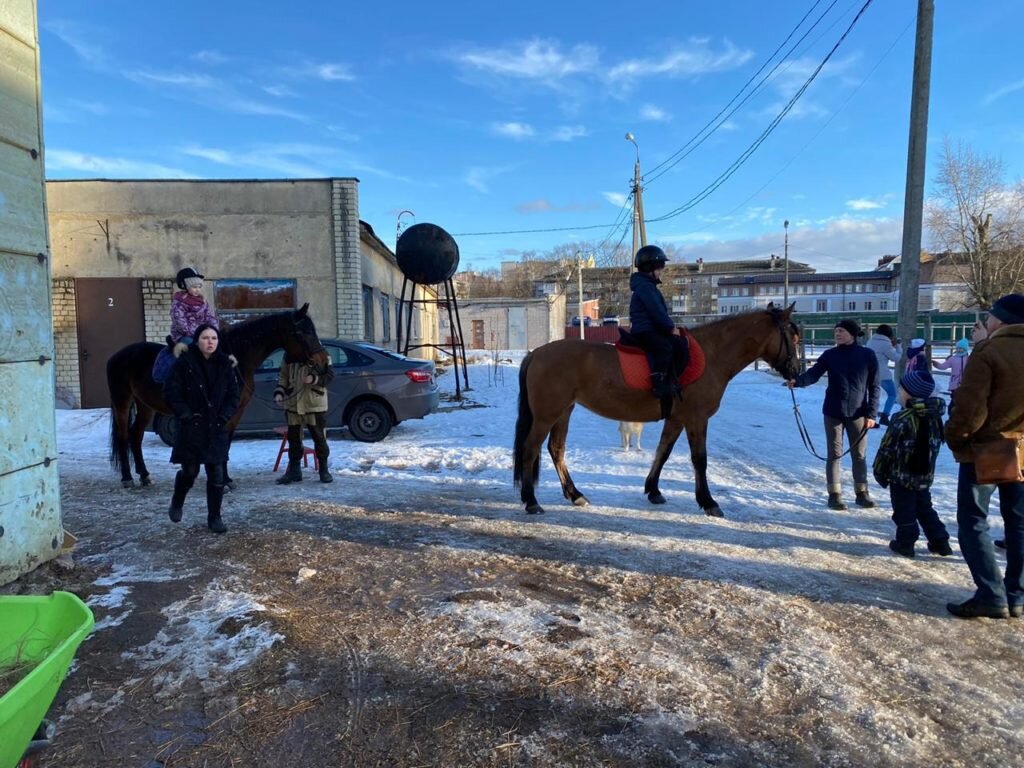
<point>278,399</point>
<point>179,348</point>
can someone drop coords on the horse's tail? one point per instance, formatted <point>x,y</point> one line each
<point>120,399</point>
<point>524,423</point>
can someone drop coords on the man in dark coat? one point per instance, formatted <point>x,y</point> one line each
<point>203,392</point>
<point>651,325</point>
<point>851,405</point>
<point>990,406</point>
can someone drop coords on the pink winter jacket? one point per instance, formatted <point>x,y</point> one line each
<point>955,365</point>
<point>188,315</point>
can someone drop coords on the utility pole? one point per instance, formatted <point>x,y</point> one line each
<point>639,227</point>
<point>579,277</point>
<point>785,259</point>
<point>913,204</point>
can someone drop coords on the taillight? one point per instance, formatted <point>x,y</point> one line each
<point>419,377</point>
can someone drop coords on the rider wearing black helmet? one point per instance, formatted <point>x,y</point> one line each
<point>652,325</point>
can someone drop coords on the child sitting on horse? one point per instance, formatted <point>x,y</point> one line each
<point>189,310</point>
<point>652,326</point>
<point>906,464</point>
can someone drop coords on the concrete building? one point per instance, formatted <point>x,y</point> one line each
<point>505,323</point>
<point>30,520</point>
<point>868,291</point>
<point>263,245</point>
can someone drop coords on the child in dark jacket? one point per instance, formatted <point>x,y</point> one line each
<point>906,464</point>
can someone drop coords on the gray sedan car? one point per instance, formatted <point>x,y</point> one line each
<point>373,390</point>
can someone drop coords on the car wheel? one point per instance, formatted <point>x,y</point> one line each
<point>166,428</point>
<point>369,421</point>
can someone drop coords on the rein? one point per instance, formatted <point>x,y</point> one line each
<point>806,437</point>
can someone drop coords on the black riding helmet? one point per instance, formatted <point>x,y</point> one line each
<point>184,274</point>
<point>650,258</point>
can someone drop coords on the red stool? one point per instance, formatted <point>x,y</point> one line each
<point>306,452</point>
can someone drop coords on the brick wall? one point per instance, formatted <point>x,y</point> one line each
<point>156,308</point>
<point>65,342</point>
<point>347,259</point>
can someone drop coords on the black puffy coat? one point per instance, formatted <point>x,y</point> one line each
<point>204,396</point>
<point>647,308</point>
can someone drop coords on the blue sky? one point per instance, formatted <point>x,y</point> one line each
<point>514,118</point>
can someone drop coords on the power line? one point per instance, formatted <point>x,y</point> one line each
<point>687,149</point>
<point>735,166</point>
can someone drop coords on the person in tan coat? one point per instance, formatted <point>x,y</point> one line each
<point>302,391</point>
<point>989,404</point>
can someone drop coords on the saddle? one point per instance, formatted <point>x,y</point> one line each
<point>636,370</point>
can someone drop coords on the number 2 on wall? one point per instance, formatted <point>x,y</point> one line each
<point>110,301</point>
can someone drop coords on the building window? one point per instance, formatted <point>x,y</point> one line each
<point>241,300</point>
<point>867,306</point>
<point>385,318</point>
<point>822,305</point>
<point>851,305</point>
<point>367,313</point>
<point>883,304</point>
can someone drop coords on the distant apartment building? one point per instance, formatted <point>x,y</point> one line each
<point>869,291</point>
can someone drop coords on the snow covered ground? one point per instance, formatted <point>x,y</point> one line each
<point>783,633</point>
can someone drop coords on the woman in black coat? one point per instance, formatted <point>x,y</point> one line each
<point>203,392</point>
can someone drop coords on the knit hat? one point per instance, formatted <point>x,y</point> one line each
<point>916,345</point>
<point>963,345</point>
<point>850,326</point>
<point>884,330</point>
<point>1010,309</point>
<point>918,383</point>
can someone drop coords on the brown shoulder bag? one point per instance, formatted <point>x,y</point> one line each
<point>999,461</point>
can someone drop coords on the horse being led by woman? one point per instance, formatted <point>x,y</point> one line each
<point>555,377</point>
<point>131,384</point>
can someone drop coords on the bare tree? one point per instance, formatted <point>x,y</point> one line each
<point>979,221</point>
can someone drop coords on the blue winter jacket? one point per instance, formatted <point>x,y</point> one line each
<point>647,308</point>
<point>852,390</point>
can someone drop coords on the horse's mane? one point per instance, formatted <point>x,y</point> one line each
<point>713,324</point>
<point>248,332</point>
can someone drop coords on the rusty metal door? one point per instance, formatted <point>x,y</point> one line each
<point>478,334</point>
<point>110,317</point>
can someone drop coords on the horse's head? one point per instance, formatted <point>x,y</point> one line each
<point>782,351</point>
<point>303,343</point>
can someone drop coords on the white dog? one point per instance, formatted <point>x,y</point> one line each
<point>631,429</point>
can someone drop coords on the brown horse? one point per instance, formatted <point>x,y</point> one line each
<point>555,377</point>
<point>130,380</point>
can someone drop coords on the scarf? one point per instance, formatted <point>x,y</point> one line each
<point>187,298</point>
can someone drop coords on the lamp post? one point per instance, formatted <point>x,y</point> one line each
<point>785,259</point>
<point>398,225</point>
<point>639,228</point>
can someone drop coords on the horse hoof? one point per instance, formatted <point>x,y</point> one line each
<point>580,501</point>
<point>127,483</point>
<point>655,497</point>
<point>715,511</point>
<point>534,509</point>
<point>144,480</point>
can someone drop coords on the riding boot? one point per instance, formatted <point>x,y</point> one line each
<point>291,475</point>
<point>325,471</point>
<point>214,499</point>
<point>662,387</point>
<point>181,488</point>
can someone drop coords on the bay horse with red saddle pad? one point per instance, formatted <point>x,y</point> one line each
<point>558,375</point>
<point>135,396</point>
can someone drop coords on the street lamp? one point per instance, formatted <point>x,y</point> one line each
<point>639,228</point>
<point>785,258</point>
<point>398,225</point>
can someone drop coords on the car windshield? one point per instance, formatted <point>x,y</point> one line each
<point>381,351</point>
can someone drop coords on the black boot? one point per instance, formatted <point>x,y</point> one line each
<point>835,501</point>
<point>325,471</point>
<point>661,385</point>
<point>291,475</point>
<point>864,499</point>
<point>214,499</point>
<point>181,487</point>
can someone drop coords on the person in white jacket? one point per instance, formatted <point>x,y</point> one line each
<point>886,348</point>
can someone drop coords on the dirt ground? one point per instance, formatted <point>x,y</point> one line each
<point>455,632</point>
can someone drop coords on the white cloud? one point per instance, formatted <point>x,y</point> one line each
<point>280,91</point>
<point>114,167</point>
<point>569,132</point>
<point>78,37</point>
<point>536,59</point>
<point>516,131</point>
<point>1005,90</point>
<point>181,79</point>
<point>479,177</point>
<point>696,59</point>
<point>728,125</point>
<point>333,72</point>
<point>615,198</point>
<point>654,114</point>
<point>290,159</point>
<point>209,57</point>
<point>863,204</point>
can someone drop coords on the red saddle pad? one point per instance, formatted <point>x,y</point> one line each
<point>637,373</point>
